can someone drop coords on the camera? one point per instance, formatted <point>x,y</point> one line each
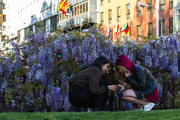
<point>119,92</point>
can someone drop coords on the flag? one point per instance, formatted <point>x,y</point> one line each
<point>63,6</point>
<point>108,31</point>
<point>125,29</point>
<point>114,32</point>
<point>118,30</point>
<point>117,27</point>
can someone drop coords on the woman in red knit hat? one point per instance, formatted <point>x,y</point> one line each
<point>143,88</point>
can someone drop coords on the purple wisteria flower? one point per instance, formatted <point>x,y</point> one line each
<point>174,71</point>
<point>148,61</point>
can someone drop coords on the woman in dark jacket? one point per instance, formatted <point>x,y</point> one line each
<point>87,88</point>
<point>143,88</point>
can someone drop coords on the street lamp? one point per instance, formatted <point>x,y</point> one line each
<point>157,15</point>
<point>142,5</point>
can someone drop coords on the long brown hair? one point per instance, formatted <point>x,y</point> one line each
<point>120,76</point>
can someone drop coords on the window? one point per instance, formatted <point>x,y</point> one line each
<point>150,7</point>
<point>177,19</point>
<point>138,8</point>
<point>118,14</point>
<point>178,11</point>
<point>170,25</point>
<point>150,30</point>
<point>4,18</point>
<point>102,18</point>
<point>170,3</point>
<point>28,31</point>
<point>71,10</point>
<point>110,16</point>
<point>81,9</point>
<point>161,27</point>
<point>53,24</point>
<point>33,19</point>
<point>129,31</point>
<point>78,10</point>
<point>102,1</point>
<point>1,8</point>
<point>4,28</point>
<point>63,17</point>
<point>162,5</point>
<point>75,11</point>
<point>4,6</point>
<point>84,8</point>
<point>139,33</point>
<point>60,16</point>
<point>128,11</point>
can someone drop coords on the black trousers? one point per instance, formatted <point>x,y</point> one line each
<point>82,97</point>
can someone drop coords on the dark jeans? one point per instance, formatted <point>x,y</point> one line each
<point>82,97</point>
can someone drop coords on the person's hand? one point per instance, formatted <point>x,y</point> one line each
<point>112,88</point>
<point>122,87</point>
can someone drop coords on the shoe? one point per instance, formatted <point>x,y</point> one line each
<point>148,106</point>
<point>90,110</point>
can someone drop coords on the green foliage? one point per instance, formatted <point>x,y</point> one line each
<point>78,35</point>
<point>20,71</point>
<point>148,39</point>
<point>41,26</point>
<point>70,66</point>
<point>23,94</point>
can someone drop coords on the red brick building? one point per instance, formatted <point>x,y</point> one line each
<point>141,18</point>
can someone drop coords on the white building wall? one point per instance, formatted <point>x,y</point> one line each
<point>176,15</point>
<point>92,7</point>
<point>90,16</point>
<point>24,13</point>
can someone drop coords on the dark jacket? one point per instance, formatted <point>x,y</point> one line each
<point>89,77</point>
<point>142,81</point>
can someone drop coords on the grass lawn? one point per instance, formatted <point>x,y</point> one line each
<point>127,115</point>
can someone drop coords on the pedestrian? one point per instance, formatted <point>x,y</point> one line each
<point>86,89</point>
<point>139,85</point>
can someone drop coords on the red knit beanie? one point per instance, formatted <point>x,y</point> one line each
<point>124,61</point>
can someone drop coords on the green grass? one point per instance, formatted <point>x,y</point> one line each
<point>127,115</point>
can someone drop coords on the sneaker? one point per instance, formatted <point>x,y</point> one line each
<point>148,106</point>
<point>90,110</point>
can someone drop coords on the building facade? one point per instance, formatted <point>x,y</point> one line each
<point>23,16</point>
<point>2,20</point>
<point>81,12</point>
<point>176,15</point>
<point>3,34</point>
<point>141,18</point>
